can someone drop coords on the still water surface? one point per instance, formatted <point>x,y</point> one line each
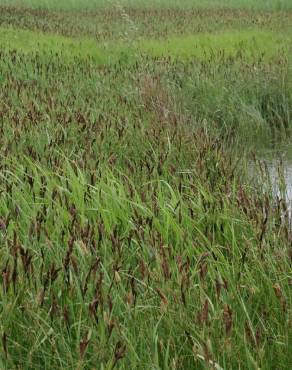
<point>278,163</point>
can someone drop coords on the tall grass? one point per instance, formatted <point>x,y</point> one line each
<point>130,236</point>
<point>133,230</point>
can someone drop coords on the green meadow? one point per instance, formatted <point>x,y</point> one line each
<point>142,225</point>
<point>250,43</point>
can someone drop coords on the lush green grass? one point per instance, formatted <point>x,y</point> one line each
<point>28,42</point>
<point>250,43</point>
<point>131,232</point>
<point>247,44</point>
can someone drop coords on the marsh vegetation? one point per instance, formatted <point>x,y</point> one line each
<point>133,232</point>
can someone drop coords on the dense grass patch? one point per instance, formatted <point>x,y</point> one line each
<point>118,23</point>
<point>129,235</point>
<point>28,42</point>
<point>133,231</point>
<point>249,45</point>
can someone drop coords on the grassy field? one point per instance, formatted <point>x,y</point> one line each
<point>138,229</point>
<point>270,5</point>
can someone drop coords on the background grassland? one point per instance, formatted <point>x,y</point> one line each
<point>95,4</point>
<point>136,230</point>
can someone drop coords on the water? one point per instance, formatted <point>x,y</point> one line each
<point>277,170</point>
<point>280,173</point>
